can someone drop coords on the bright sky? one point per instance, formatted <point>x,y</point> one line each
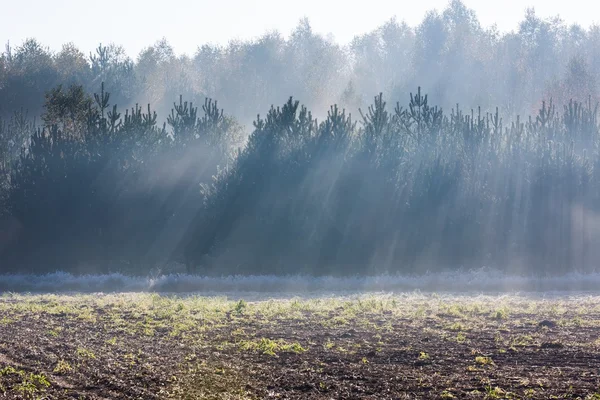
<point>136,24</point>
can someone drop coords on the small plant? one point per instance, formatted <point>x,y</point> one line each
<point>447,395</point>
<point>294,348</point>
<point>338,321</point>
<point>481,360</point>
<point>240,307</point>
<point>85,353</point>
<point>420,312</point>
<point>238,332</point>
<point>501,313</point>
<point>457,326</point>
<point>8,370</point>
<point>267,346</point>
<point>62,367</point>
<point>423,356</point>
<point>222,346</point>
<point>130,357</point>
<point>522,340</point>
<point>30,384</point>
<point>494,392</point>
<point>271,347</point>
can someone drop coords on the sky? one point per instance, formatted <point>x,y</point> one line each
<point>186,24</point>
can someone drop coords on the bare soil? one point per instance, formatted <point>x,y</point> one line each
<point>109,347</point>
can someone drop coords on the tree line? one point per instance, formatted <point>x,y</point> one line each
<point>406,188</point>
<point>362,186</point>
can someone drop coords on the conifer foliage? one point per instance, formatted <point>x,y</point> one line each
<point>94,186</point>
<point>408,189</point>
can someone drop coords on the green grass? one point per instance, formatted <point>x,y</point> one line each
<point>271,347</point>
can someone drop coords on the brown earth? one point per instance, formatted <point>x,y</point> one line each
<point>153,347</point>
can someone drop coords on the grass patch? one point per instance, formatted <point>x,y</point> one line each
<point>271,347</point>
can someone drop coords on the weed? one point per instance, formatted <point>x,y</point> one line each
<point>240,307</point>
<point>481,360</point>
<point>420,312</point>
<point>238,332</point>
<point>130,357</point>
<point>294,348</point>
<point>522,340</point>
<point>62,367</point>
<point>494,392</point>
<point>85,353</point>
<point>457,326</point>
<point>30,384</point>
<point>271,347</point>
<point>338,321</point>
<point>501,313</point>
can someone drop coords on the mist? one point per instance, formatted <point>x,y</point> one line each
<point>413,150</point>
<point>264,287</point>
<point>450,54</point>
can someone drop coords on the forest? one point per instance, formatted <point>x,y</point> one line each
<point>414,149</point>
